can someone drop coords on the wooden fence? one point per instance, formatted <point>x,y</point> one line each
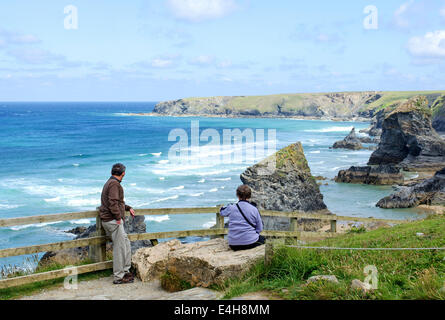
<point>97,243</point>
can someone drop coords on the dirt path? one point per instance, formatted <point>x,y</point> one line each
<point>104,289</point>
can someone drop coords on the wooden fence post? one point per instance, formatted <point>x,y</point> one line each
<point>219,223</point>
<point>294,227</point>
<point>333,226</point>
<point>98,253</point>
<point>269,252</point>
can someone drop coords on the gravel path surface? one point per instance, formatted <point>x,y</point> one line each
<point>104,289</point>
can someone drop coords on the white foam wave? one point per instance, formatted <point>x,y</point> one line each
<point>165,199</point>
<point>331,129</point>
<point>177,188</point>
<point>8,206</point>
<point>212,173</point>
<point>56,199</point>
<point>315,152</point>
<point>157,218</point>
<point>222,179</point>
<point>150,190</point>
<point>36,225</point>
<point>213,190</point>
<point>83,202</point>
<point>57,191</point>
<point>156,154</point>
<point>202,181</point>
<point>81,221</point>
<point>209,224</point>
<point>76,164</point>
<point>163,161</point>
<point>197,194</point>
<point>143,154</point>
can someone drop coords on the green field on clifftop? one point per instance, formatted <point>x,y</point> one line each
<point>340,104</point>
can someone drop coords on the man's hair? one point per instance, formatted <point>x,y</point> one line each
<point>244,192</point>
<point>118,169</point>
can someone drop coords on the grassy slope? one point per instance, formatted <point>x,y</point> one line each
<point>402,274</point>
<point>299,101</point>
<point>398,96</point>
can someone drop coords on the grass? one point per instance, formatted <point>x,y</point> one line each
<point>401,274</point>
<point>36,287</point>
<point>172,283</point>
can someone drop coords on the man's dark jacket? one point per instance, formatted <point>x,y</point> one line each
<point>113,206</point>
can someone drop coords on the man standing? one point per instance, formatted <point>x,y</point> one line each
<point>112,213</point>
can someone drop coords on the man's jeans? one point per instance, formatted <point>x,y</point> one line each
<point>121,248</point>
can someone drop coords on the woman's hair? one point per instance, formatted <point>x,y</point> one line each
<point>243,192</point>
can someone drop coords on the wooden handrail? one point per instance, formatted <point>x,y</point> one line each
<point>93,214</point>
<point>320,215</point>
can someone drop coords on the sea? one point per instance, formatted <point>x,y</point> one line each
<point>55,158</point>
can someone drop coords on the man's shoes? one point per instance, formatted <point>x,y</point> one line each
<point>129,275</point>
<point>124,280</point>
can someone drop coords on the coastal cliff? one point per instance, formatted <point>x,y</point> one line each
<point>409,140</point>
<point>335,106</point>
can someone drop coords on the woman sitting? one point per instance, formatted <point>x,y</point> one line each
<point>245,222</point>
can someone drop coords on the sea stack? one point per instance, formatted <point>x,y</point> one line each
<point>283,182</point>
<point>409,140</point>
<point>351,142</point>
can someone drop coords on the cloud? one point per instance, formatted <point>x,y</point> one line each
<point>199,10</point>
<point>35,56</point>
<point>157,62</point>
<point>161,63</point>
<point>315,34</point>
<point>431,45</point>
<point>442,12</point>
<point>400,19</point>
<point>202,60</point>
<point>8,38</point>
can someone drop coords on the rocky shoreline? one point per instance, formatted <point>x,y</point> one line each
<point>192,115</point>
<point>408,142</point>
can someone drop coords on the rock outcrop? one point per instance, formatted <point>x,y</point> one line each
<point>352,142</point>
<point>201,264</point>
<point>283,182</point>
<point>428,192</point>
<point>211,262</point>
<point>375,175</point>
<point>150,263</point>
<point>438,109</point>
<point>408,139</point>
<point>73,255</point>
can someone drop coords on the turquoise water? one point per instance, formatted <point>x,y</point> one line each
<point>56,157</point>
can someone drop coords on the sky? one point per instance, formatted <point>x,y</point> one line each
<point>156,50</point>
